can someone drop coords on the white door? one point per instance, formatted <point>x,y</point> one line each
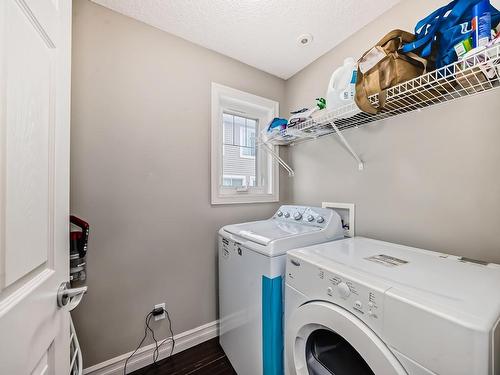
<point>323,338</point>
<point>35,56</point>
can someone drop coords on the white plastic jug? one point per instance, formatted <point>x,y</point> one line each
<point>342,87</point>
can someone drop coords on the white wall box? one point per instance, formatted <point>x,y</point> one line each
<point>346,212</point>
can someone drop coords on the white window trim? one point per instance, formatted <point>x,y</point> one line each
<point>246,104</point>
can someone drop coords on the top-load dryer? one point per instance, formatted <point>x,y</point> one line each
<point>252,259</point>
<point>364,307</point>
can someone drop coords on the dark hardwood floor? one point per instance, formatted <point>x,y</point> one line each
<point>206,358</point>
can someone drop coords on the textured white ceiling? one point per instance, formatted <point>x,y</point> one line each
<point>260,33</point>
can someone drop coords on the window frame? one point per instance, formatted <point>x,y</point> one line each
<point>232,101</point>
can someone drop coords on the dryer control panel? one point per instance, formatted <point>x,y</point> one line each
<point>363,298</point>
<point>314,216</point>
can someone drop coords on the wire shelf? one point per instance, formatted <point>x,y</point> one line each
<point>473,75</point>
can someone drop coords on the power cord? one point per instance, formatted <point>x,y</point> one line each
<point>156,352</point>
<point>156,341</point>
<point>148,318</point>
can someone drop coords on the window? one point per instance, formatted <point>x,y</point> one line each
<point>241,172</point>
<point>234,181</point>
<point>247,138</point>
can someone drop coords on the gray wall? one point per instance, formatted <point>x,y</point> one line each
<point>431,179</point>
<point>140,166</point>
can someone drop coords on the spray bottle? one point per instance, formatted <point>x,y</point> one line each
<point>481,24</point>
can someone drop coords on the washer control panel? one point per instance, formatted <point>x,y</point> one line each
<point>315,216</point>
<point>365,300</point>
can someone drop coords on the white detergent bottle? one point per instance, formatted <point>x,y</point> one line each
<point>342,88</point>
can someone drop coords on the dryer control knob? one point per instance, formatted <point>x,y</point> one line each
<point>310,218</point>
<point>297,216</point>
<point>287,214</point>
<point>279,214</point>
<point>344,290</point>
<point>320,219</point>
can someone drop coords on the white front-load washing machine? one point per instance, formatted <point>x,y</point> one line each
<point>361,306</point>
<point>252,259</point>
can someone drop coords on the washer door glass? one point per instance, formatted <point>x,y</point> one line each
<point>329,353</point>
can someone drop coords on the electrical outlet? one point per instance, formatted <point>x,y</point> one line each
<point>162,316</point>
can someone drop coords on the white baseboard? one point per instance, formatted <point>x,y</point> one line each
<point>143,357</point>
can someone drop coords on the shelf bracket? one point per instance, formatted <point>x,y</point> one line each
<point>276,156</point>
<point>348,146</point>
